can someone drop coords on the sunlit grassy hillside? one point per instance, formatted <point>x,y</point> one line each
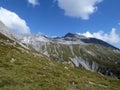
<point>22,69</point>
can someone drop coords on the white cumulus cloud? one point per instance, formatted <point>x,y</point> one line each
<point>79,8</point>
<point>111,37</point>
<point>33,2</point>
<point>13,21</point>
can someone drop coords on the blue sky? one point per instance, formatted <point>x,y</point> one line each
<point>94,18</point>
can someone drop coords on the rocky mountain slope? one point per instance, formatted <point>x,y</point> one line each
<point>89,53</point>
<point>52,68</point>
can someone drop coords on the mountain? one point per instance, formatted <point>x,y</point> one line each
<point>76,38</point>
<point>88,53</point>
<point>27,69</point>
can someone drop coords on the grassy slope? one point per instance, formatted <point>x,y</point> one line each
<point>26,70</point>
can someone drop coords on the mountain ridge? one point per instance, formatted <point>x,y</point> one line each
<point>85,52</point>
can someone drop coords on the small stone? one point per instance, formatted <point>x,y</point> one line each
<point>66,68</point>
<point>12,60</point>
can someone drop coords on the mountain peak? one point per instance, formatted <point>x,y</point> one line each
<point>75,37</point>
<point>69,35</point>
